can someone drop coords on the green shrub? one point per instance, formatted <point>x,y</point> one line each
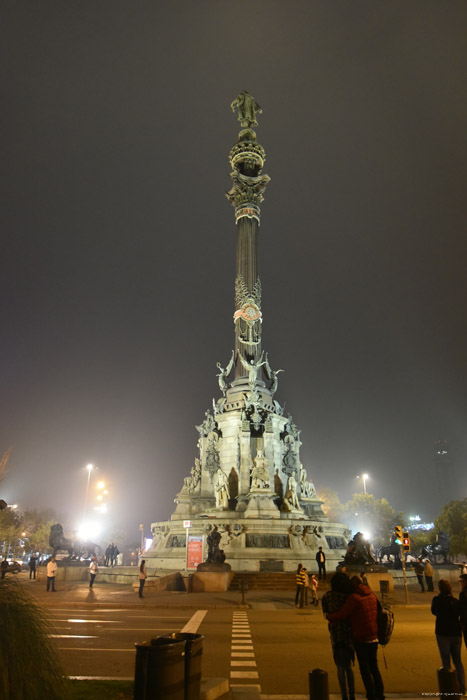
<point>29,664</point>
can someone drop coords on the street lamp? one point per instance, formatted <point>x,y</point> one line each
<point>364,477</point>
<point>89,467</point>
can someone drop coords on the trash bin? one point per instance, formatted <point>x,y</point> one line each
<point>193,659</point>
<point>160,670</point>
<point>384,587</point>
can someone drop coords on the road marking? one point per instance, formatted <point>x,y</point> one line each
<point>101,622</point>
<point>243,663</point>
<point>242,652</point>
<point>194,623</point>
<point>244,674</point>
<point>93,649</point>
<point>161,617</point>
<point>72,636</point>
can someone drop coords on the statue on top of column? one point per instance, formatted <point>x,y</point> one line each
<point>224,373</point>
<point>247,108</point>
<point>252,368</point>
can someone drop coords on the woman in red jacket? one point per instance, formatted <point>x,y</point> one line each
<point>361,607</point>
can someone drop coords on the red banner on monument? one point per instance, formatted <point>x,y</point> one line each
<point>194,555</point>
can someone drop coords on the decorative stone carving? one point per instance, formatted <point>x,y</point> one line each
<point>247,108</point>
<point>259,472</point>
<point>221,490</point>
<point>243,294</point>
<point>289,460</point>
<point>247,190</point>
<point>267,541</point>
<point>307,489</point>
<point>224,373</point>
<point>212,461</point>
<point>272,375</point>
<point>193,482</point>
<point>207,426</point>
<point>291,504</point>
<point>252,368</point>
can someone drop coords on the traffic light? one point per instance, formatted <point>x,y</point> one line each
<point>405,542</point>
<point>398,534</point>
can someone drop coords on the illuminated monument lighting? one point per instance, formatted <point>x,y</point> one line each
<point>248,480</point>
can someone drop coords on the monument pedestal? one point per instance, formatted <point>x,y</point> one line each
<point>212,577</point>
<point>261,504</point>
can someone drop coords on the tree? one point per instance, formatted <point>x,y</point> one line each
<point>10,529</point>
<point>453,520</point>
<point>375,518</point>
<point>332,507</point>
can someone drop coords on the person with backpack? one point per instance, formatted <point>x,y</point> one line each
<point>448,630</point>
<point>361,608</point>
<point>341,641</point>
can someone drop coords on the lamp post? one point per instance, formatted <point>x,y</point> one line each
<point>364,477</point>
<point>89,467</point>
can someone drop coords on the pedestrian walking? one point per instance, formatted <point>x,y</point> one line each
<point>448,630</point>
<point>419,571</point>
<point>4,567</point>
<point>463,605</point>
<point>143,574</point>
<point>341,640</point>
<point>32,566</point>
<point>108,554</point>
<point>321,560</point>
<point>115,554</point>
<point>51,571</point>
<point>361,607</point>
<point>299,580</point>
<point>429,575</point>
<point>313,584</point>
<point>93,570</point>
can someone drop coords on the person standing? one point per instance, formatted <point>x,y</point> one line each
<point>419,571</point>
<point>115,554</point>
<point>93,570</point>
<point>32,566</point>
<point>361,607</point>
<point>463,605</point>
<point>448,630</point>
<point>429,575</point>
<point>321,560</point>
<point>314,588</point>
<point>108,552</point>
<point>299,580</point>
<point>341,641</point>
<point>4,567</point>
<point>143,574</point>
<point>306,585</point>
<point>51,571</point>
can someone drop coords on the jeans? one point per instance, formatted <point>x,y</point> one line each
<point>321,569</point>
<point>429,582</point>
<point>32,573</point>
<point>343,658</point>
<point>93,576</point>
<point>420,580</point>
<point>450,647</point>
<point>51,581</point>
<point>369,671</point>
<point>142,581</point>
<point>299,595</point>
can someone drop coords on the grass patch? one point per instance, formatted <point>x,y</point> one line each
<point>101,690</point>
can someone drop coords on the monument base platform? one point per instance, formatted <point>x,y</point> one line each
<point>212,580</point>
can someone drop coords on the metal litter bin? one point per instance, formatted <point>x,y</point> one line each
<point>384,588</point>
<point>160,670</point>
<point>193,658</point>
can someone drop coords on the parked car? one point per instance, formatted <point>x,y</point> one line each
<point>14,566</point>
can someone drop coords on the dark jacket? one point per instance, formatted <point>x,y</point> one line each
<point>463,606</point>
<point>447,611</point>
<point>338,631</point>
<point>318,555</point>
<point>362,609</point>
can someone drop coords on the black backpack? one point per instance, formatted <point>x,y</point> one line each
<point>385,623</point>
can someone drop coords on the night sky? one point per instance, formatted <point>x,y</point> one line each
<point>118,245</point>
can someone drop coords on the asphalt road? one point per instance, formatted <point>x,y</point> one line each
<point>272,648</point>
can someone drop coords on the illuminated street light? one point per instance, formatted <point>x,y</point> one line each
<point>100,485</point>
<point>364,477</point>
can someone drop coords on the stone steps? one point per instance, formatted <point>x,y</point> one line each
<point>264,581</point>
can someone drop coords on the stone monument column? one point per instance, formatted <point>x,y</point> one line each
<point>247,159</point>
